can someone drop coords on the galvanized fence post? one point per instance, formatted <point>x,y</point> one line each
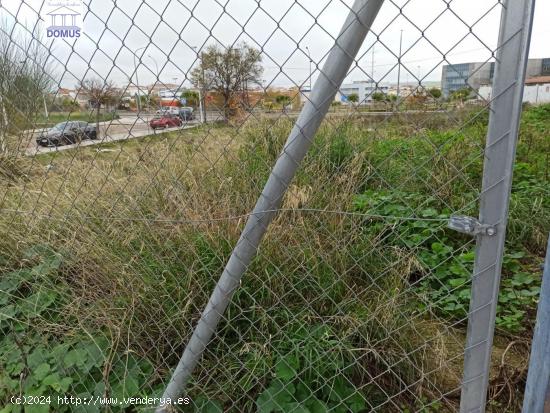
<point>505,112</point>
<point>342,55</point>
<point>537,389</point>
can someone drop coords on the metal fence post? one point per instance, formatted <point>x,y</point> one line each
<point>510,67</point>
<point>342,55</point>
<point>537,389</point>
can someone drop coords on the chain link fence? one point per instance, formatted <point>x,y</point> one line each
<point>241,206</point>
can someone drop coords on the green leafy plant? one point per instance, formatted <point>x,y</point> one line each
<point>447,264</point>
<point>308,378</point>
<point>51,364</point>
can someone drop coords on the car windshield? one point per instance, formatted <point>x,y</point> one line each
<point>62,126</point>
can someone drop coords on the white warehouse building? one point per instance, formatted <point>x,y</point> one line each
<point>363,89</point>
<point>536,91</point>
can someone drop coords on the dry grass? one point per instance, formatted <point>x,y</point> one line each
<point>145,228</point>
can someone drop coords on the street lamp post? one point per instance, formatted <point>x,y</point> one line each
<point>176,89</point>
<point>310,67</point>
<point>157,67</point>
<point>202,105</point>
<point>45,107</point>
<point>399,72</point>
<point>138,102</point>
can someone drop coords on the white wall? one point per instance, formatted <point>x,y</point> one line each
<point>534,94</point>
<point>363,89</point>
<point>485,92</point>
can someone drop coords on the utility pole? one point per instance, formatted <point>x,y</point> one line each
<point>45,107</point>
<point>310,68</point>
<point>399,71</point>
<point>138,101</point>
<point>158,73</point>
<point>372,68</point>
<point>203,84</point>
<point>202,88</point>
<point>176,89</point>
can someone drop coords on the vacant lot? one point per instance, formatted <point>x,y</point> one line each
<point>110,255</point>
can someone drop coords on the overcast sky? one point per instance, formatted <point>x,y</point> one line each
<point>164,32</point>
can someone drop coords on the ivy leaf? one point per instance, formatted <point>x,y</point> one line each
<point>341,390</point>
<point>125,387</point>
<point>428,212</point>
<point>95,358</point>
<point>64,384</point>
<point>286,368</point>
<point>52,380</point>
<point>515,255</point>
<point>522,278</point>
<point>356,402</point>
<point>275,397</point>
<point>37,357</point>
<point>41,371</point>
<point>9,282</point>
<point>455,282</point>
<point>294,407</point>
<point>210,406</point>
<point>35,304</point>
<point>316,406</point>
<point>37,408</point>
<point>75,357</point>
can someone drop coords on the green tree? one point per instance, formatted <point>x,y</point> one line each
<point>228,71</point>
<point>99,93</point>
<point>353,98</point>
<point>461,94</point>
<point>435,92</point>
<point>69,105</point>
<point>283,100</point>
<point>25,78</point>
<point>192,97</point>
<point>378,97</point>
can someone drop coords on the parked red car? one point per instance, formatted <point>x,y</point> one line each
<point>165,121</point>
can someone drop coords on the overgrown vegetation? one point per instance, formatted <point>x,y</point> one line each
<point>349,305</point>
<point>25,78</point>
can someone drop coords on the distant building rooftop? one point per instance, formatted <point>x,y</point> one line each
<point>537,80</point>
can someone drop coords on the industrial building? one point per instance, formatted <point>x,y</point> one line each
<point>363,89</point>
<point>475,74</point>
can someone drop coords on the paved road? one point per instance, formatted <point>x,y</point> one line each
<point>131,126</point>
<point>120,129</point>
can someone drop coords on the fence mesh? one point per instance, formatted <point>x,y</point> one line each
<point>115,233</point>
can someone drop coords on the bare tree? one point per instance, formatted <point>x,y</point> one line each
<point>99,93</point>
<point>25,79</point>
<point>228,71</point>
